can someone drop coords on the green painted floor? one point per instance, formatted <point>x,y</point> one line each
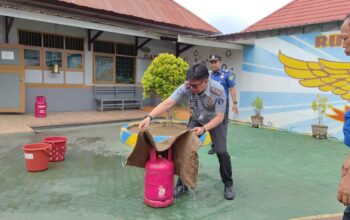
<point>277,175</point>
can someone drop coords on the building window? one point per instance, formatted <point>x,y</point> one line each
<point>74,60</point>
<point>125,69</point>
<point>53,57</point>
<point>123,62</point>
<point>29,38</point>
<point>53,41</point>
<point>32,57</point>
<point>104,71</point>
<point>73,43</point>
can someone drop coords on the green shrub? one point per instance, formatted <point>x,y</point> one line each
<point>164,75</point>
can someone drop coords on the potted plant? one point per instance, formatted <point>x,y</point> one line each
<point>257,119</point>
<point>319,106</point>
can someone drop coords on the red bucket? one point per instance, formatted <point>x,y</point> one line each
<point>37,156</point>
<point>58,149</point>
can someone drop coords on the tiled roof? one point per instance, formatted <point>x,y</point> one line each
<point>303,12</point>
<point>167,12</point>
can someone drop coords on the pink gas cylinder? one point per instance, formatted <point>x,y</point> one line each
<point>159,180</point>
<point>40,107</point>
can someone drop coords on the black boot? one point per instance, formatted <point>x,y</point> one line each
<point>229,193</point>
<point>211,151</point>
<point>180,189</point>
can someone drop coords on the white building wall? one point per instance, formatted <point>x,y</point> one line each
<point>144,59</point>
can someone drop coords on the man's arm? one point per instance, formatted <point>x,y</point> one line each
<point>218,119</point>
<point>234,100</point>
<point>159,109</point>
<point>344,185</point>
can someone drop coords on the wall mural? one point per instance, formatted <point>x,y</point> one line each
<point>326,75</point>
<point>288,72</point>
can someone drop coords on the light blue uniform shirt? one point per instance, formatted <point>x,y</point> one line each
<point>206,105</point>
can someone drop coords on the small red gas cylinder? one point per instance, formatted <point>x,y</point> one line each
<point>159,180</point>
<point>40,107</point>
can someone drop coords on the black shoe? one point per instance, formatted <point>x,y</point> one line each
<point>180,190</point>
<point>229,194</point>
<point>211,151</point>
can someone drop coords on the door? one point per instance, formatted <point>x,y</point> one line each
<point>12,91</point>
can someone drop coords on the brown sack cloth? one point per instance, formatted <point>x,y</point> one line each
<point>184,154</point>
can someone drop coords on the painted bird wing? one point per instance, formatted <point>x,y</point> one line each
<point>324,74</point>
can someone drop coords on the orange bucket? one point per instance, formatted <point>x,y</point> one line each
<point>58,149</point>
<point>37,156</point>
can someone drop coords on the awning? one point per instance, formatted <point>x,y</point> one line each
<point>208,43</point>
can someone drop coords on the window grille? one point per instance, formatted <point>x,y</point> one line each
<point>29,38</point>
<point>73,43</point>
<point>125,49</point>
<point>53,41</point>
<point>104,47</point>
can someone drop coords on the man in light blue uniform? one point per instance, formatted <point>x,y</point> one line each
<point>207,100</point>
<point>226,79</point>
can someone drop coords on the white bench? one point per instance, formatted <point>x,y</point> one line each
<point>117,97</point>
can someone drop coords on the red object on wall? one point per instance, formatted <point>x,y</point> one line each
<point>40,107</point>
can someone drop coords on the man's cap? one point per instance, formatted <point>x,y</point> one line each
<point>214,57</point>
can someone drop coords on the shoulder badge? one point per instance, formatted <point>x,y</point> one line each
<point>216,91</point>
<point>232,77</point>
<point>210,101</point>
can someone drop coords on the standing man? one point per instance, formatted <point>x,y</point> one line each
<point>344,186</point>
<point>226,79</point>
<point>207,100</point>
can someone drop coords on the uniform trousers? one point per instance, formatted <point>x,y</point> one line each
<point>218,137</point>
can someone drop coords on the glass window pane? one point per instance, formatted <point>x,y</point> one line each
<point>74,61</point>
<point>103,68</point>
<point>53,57</point>
<point>32,57</point>
<point>125,69</point>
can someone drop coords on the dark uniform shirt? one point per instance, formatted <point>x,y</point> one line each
<point>225,78</point>
<point>206,105</point>
<point>346,128</point>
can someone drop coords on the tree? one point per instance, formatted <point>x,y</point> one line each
<point>163,76</point>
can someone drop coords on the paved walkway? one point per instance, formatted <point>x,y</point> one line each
<point>23,123</point>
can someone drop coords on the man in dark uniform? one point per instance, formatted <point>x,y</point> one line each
<point>226,79</point>
<point>207,100</point>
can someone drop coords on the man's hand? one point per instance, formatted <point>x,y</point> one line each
<point>346,166</point>
<point>144,124</point>
<point>198,131</point>
<point>344,190</point>
<point>235,109</point>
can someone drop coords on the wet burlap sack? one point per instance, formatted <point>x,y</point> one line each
<point>184,154</point>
